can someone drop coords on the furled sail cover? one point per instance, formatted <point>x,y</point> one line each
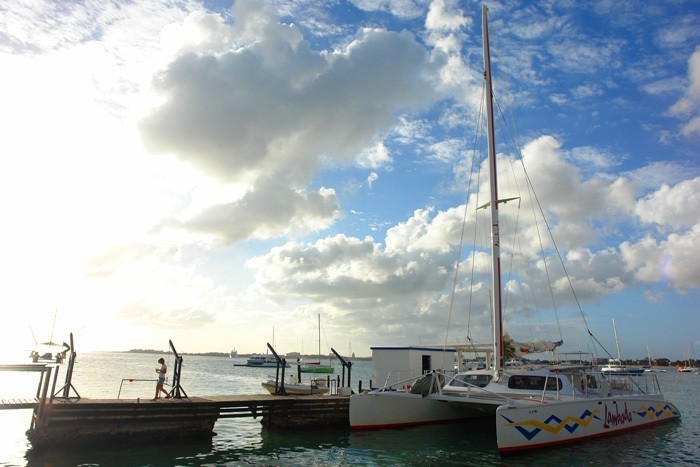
<point>513,348</point>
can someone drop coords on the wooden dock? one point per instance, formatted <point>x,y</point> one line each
<point>59,418</point>
<point>113,420</point>
<point>22,403</point>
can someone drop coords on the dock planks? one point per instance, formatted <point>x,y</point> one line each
<point>106,420</point>
<point>21,403</point>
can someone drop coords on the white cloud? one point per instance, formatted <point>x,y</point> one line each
<point>269,211</point>
<point>692,127</point>
<point>409,131</point>
<point>674,260</point>
<point>585,56</point>
<point>447,151</point>
<point>585,91</point>
<point>552,177</point>
<point>400,8</point>
<point>596,157</point>
<point>371,178</point>
<point>688,107</point>
<point>250,111</point>
<point>412,274</point>
<point>665,86</point>
<point>444,16</point>
<point>653,175</point>
<point>272,107</point>
<point>676,207</point>
<point>374,157</point>
<point>348,278</point>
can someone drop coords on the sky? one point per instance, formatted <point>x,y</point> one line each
<point>219,173</point>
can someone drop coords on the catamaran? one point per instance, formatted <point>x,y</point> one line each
<point>533,407</point>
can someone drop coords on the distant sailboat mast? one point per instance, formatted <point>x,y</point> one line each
<point>319,338</point>
<point>617,344</point>
<point>495,241</point>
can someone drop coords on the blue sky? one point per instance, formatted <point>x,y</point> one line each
<point>211,172</point>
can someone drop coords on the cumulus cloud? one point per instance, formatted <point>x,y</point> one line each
<point>688,107</point>
<point>561,189</point>
<point>271,107</point>
<point>677,206</point>
<point>410,273</point>
<point>353,278</point>
<point>265,214</point>
<point>445,16</point>
<point>672,260</point>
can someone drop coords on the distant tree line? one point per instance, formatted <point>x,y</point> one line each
<point>163,352</point>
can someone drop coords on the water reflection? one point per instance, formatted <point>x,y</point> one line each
<point>181,452</point>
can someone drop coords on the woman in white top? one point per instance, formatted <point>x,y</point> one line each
<point>161,379</point>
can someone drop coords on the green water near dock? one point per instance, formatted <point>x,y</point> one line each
<point>246,442</point>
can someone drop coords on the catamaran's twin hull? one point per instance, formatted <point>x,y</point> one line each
<point>527,427</point>
<point>394,408</point>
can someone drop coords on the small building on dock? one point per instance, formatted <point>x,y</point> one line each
<point>393,364</point>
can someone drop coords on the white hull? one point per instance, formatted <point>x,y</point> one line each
<point>297,389</point>
<point>526,426</point>
<point>396,408</point>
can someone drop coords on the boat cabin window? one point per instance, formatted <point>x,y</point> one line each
<point>474,380</point>
<point>592,383</point>
<point>534,382</point>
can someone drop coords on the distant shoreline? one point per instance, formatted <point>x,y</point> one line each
<point>163,352</point>
<point>226,354</point>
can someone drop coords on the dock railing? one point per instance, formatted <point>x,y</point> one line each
<point>133,380</point>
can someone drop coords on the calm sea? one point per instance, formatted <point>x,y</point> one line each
<point>246,442</point>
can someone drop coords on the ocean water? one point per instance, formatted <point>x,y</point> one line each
<point>246,442</point>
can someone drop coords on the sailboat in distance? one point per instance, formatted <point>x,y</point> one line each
<point>615,366</point>
<point>316,366</point>
<point>531,408</point>
<point>49,351</point>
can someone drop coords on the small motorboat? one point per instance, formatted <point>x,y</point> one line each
<point>316,386</point>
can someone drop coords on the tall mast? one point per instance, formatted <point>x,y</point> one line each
<point>495,240</point>
<point>319,338</point>
<point>617,344</point>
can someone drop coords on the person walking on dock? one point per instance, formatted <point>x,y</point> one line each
<point>161,379</point>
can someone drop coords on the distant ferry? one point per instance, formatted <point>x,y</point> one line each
<point>234,353</point>
<point>262,360</point>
